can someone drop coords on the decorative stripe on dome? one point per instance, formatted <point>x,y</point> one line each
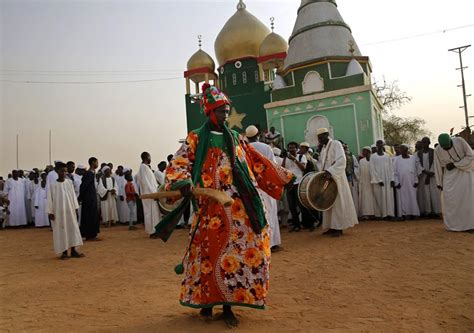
<point>315,1</point>
<point>319,25</point>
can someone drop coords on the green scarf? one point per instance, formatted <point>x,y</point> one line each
<point>241,180</point>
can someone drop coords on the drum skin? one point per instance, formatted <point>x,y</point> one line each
<point>316,192</point>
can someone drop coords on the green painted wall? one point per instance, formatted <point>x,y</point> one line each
<point>245,89</point>
<point>292,120</point>
<point>332,82</point>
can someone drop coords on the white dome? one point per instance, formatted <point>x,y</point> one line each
<point>354,68</point>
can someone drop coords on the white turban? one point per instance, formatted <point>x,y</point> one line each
<point>105,168</point>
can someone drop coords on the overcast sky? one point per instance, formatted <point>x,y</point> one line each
<point>110,41</point>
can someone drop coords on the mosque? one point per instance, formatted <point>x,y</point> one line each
<point>318,78</point>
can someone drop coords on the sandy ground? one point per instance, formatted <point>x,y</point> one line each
<point>381,276</point>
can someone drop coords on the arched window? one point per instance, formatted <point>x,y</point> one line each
<point>244,77</point>
<point>234,79</point>
<point>313,82</point>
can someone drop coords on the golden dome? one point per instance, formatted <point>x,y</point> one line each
<point>240,37</point>
<point>201,59</point>
<point>273,44</point>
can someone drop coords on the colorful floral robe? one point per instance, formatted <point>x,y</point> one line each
<point>228,263</point>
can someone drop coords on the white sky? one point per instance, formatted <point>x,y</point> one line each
<point>116,122</point>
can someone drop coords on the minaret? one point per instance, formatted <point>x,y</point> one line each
<point>319,32</point>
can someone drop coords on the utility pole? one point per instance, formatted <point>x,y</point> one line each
<point>17,151</point>
<point>49,147</point>
<point>460,50</point>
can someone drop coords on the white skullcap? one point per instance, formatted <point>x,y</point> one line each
<point>276,151</point>
<point>105,168</point>
<point>322,131</point>
<point>405,145</point>
<point>367,148</point>
<point>304,144</point>
<point>373,146</point>
<point>251,131</point>
<point>126,169</point>
<point>80,166</point>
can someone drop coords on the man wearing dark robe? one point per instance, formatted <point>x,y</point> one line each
<point>88,199</point>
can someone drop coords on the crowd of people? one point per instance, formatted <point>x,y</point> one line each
<point>99,195</point>
<point>389,183</point>
<point>383,185</point>
<point>227,259</point>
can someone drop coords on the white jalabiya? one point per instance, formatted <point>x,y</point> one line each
<point>458,185</point>
<point>381,170</point>
<point>160,177</point>
<point>147,184</point>
<point>354,185</point>
<point>108,207</point>
<point>343,214</point>
<point>406,171</point>
<point>77,187</point>
<point>366,190</point>
<point>15,189</point>
<point>62,202</point>
<point>40,200</point>
<point>29,212</point>
<point>270,203</point>
<point>51,178</point>
<point>429,196</point>
<point>122,207</point>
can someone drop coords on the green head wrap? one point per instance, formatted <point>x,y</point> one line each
<point>444,140</point>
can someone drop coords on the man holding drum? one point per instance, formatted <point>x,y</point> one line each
<point>333,162</point>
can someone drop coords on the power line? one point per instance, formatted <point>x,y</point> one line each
<point>419,35</point>
<point>93,71</point>
<point>90,82</point>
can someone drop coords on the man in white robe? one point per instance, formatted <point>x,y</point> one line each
<point>62,209</point>
<point>333,162</point>
<point>15,190</point>
<point>382,179</point>
<point>52,175</point>
<point>271,205</point>
<point>122,207</point>
<point>366,191</point>
<point>40,201</point>
<point>80,171</point>
<point>148,184</point>
<point>107,190</point>
<point>160,173</point>
<point>352,173</point>
<point>429,194</point>
<point>406,171</point>
<point>454,170</point>
<point>282,204</point>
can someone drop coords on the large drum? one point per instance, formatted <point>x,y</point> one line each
<point>317,192</point>
<point>167,205</point>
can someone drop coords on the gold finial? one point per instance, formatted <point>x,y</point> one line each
<point>351,47</point>
<point>200,41</point>
<point>241,5</point>
<point>272,23</point>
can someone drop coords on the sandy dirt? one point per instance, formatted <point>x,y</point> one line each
<point>381,276</point>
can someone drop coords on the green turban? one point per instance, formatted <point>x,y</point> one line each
<point>444,140</point>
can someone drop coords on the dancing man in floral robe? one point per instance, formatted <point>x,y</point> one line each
<point>229,254</point>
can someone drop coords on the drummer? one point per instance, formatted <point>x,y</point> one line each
<point>333,162</point>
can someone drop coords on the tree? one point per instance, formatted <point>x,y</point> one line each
<point>391,96</point>
<point>398,130</point>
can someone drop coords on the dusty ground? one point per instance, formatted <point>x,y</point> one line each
<point>381,276</point>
